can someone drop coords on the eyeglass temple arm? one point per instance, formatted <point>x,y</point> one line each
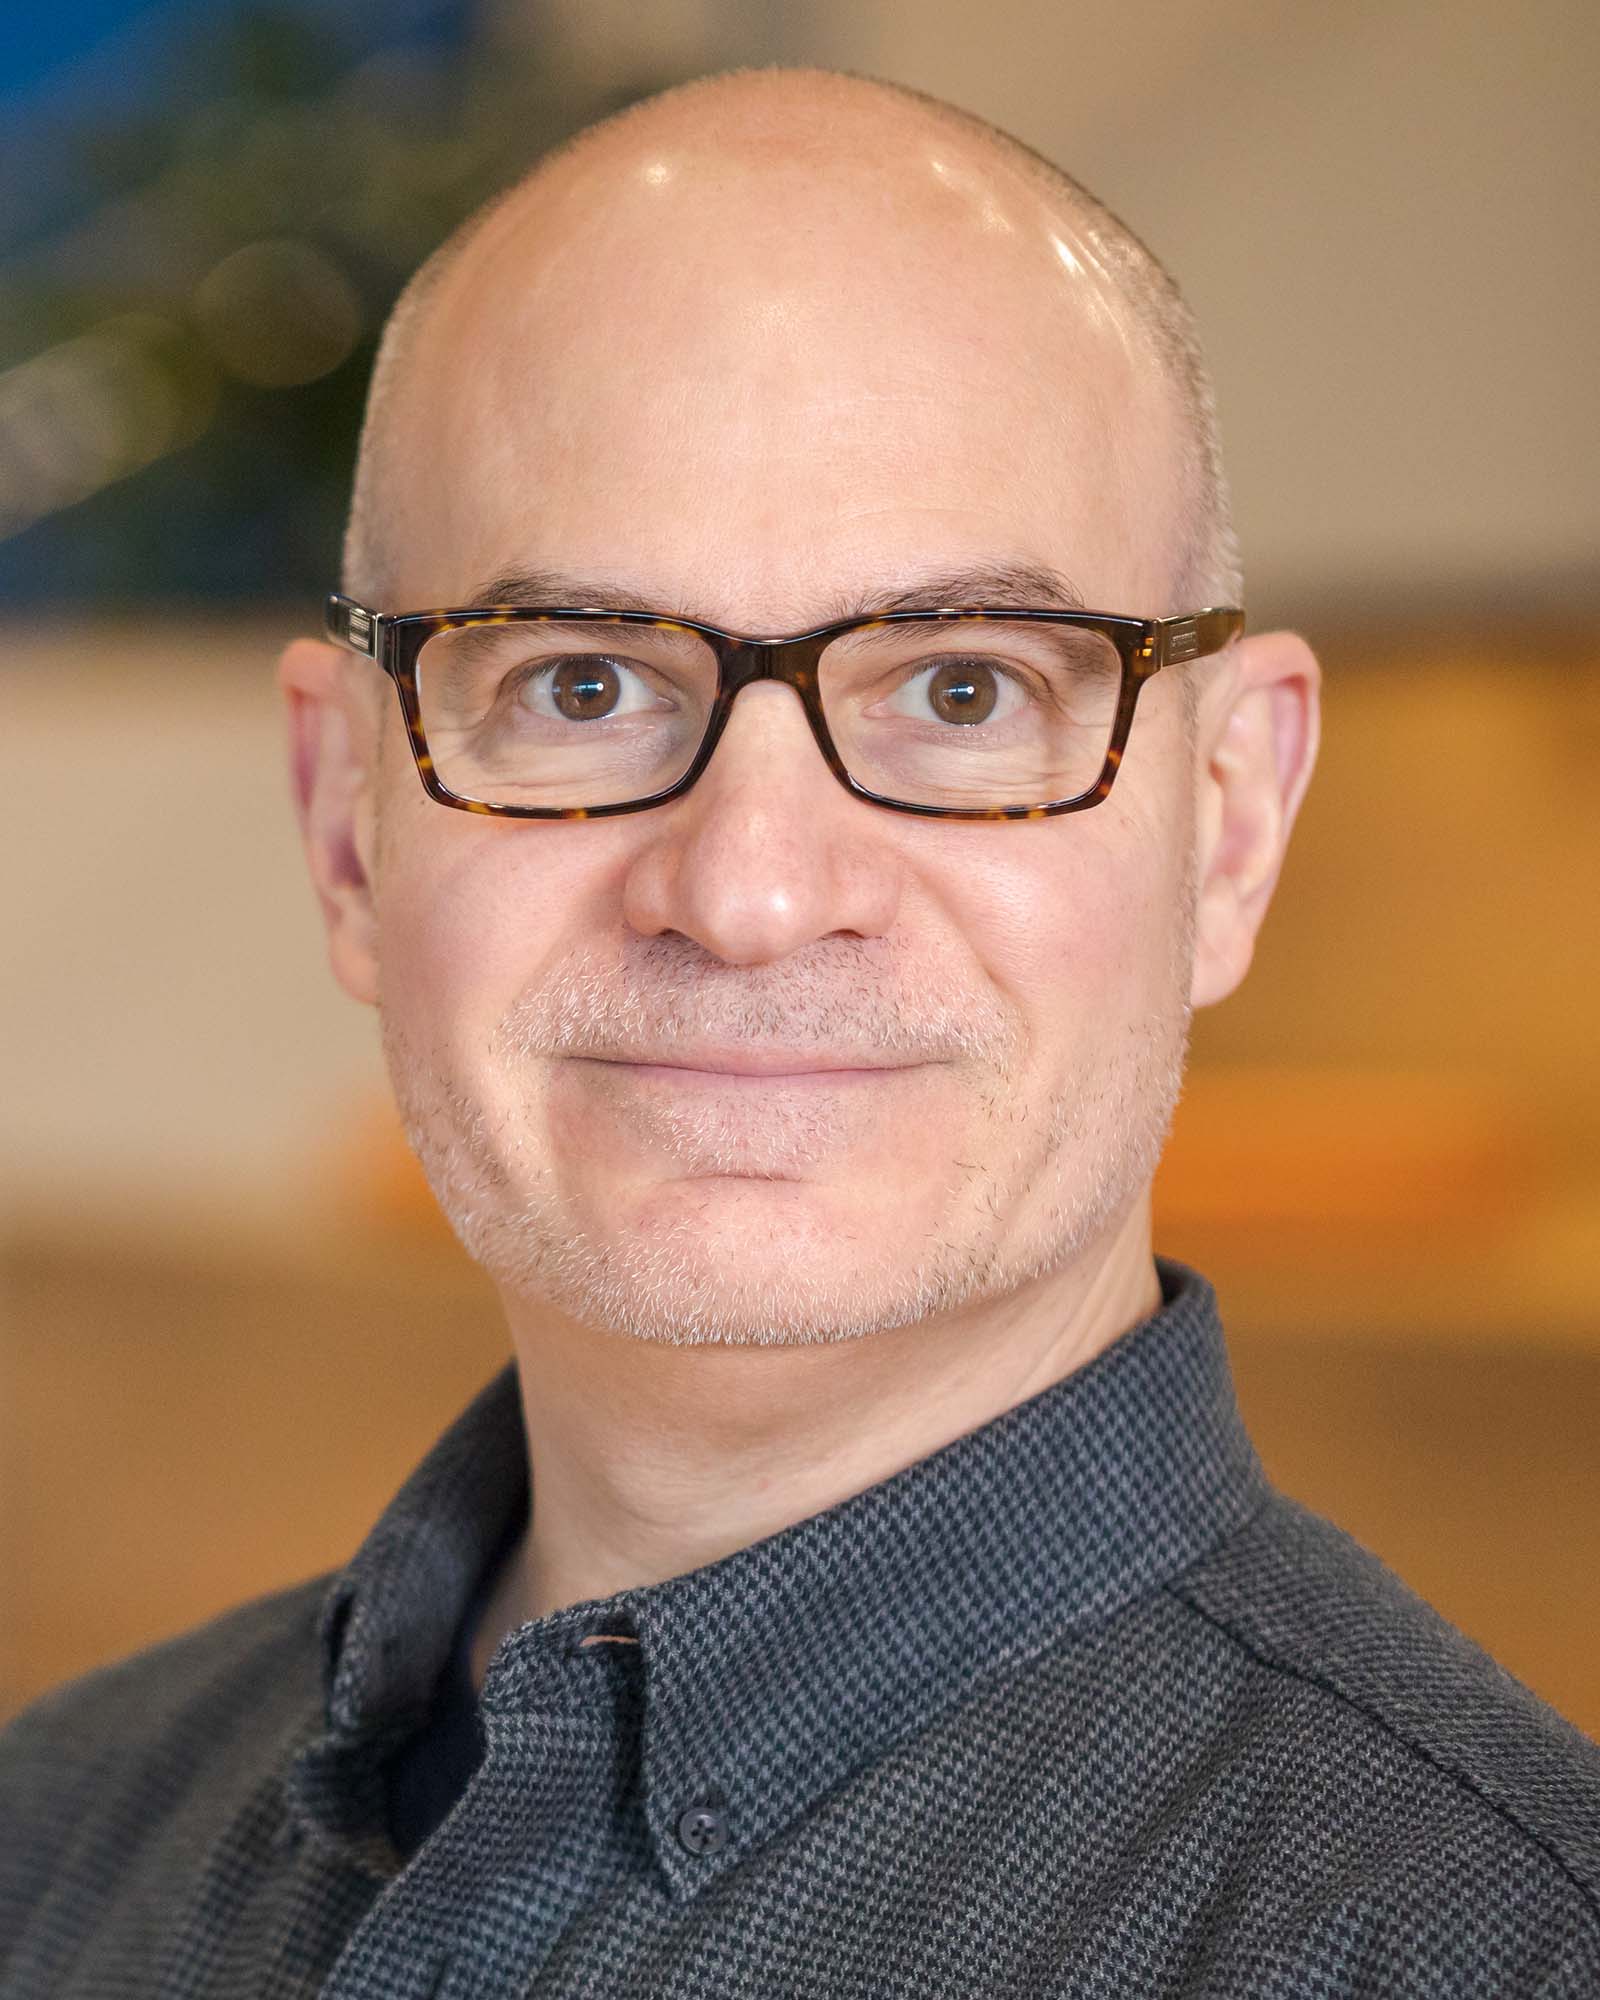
<point>353,625</point>
<point>1192,637</point>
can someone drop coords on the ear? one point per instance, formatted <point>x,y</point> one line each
<point>1257,735</point>
<point>333,748</point>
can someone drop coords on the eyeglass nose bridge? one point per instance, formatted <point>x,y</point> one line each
<point>794,663</point>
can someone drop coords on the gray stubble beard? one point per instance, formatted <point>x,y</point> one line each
<point>1100,1136</point>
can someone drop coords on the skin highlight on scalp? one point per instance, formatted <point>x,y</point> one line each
<point>798,104</point>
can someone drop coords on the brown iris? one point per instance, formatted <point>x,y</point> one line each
<point>583,689</point>
<point>962,691</point>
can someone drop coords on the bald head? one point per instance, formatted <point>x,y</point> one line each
<point>783,210</point>
<point>770,351</point>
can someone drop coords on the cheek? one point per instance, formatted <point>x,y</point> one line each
<point>426,920</point>
<point>1076,930</point>
<point>473,912</point>
<point>463,918</point>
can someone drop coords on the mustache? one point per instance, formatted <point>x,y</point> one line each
<point>837,997</point>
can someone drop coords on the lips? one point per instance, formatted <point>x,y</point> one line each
<point>755,1064</point>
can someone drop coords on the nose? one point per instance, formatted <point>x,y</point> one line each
<point>766,852</point>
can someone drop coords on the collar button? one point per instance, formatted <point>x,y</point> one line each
<point>703,1829</point>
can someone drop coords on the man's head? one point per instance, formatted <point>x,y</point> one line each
<point>761,351</point>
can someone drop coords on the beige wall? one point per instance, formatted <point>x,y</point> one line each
<point>173,1041</point>
<point>1384,212</point>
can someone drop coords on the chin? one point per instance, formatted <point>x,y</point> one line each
<point>748,1262</point>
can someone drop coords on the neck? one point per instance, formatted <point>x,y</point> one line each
<point>651,1460</point>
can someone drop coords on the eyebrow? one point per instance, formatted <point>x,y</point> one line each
<point>997,585</point>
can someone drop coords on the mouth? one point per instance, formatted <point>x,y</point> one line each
<point>750,1067</point>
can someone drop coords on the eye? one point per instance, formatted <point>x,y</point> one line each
<point>586,687</point>
<point>963,691</point>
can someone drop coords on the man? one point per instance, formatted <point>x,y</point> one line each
<point>792,1031</point>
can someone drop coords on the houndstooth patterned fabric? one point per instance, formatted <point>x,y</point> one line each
<point>1077,1705</point>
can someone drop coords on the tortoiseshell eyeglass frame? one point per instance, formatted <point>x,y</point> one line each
<point>1144,646</point>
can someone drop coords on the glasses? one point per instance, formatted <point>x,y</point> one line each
<point>959,714</point>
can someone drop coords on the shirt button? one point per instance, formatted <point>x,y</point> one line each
<point>703,1829</point>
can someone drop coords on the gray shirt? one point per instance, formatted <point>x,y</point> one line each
<point>1078,1704</point>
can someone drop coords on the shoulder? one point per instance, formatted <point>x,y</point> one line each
<point>104,1759</point>
<point>1398,1718</point>
<point>262,1650</point>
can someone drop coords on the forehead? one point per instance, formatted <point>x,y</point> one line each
<point>757,378</point>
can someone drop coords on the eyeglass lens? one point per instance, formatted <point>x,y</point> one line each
<point>585,713</point>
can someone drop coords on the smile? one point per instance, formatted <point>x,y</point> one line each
<point>753,1073</point>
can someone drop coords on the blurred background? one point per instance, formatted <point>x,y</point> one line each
<point>232,1320</point>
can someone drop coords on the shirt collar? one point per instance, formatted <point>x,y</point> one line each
<point>772,1673</point>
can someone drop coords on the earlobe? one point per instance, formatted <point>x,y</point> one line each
<point>331,752</point>
<point>1257,746</point>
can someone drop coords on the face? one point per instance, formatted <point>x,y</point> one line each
<point>770,1064</point>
